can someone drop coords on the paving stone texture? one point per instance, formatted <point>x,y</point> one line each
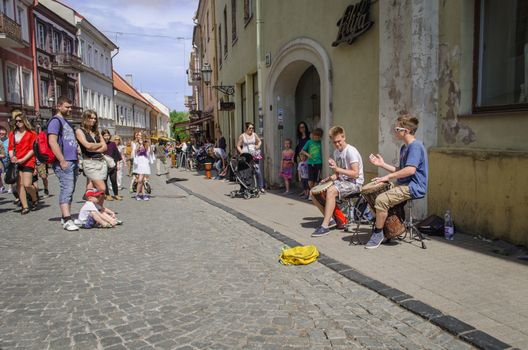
<point>181,274</point>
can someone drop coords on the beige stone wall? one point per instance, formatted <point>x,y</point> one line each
<point>480,170</point>
<point>354,68</point>
<point>485,190</point>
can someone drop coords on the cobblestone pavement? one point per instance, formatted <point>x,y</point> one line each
<point>181,274</point>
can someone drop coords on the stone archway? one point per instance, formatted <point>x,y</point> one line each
<point>292,61</point>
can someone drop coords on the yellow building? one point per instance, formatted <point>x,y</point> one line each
<point>460,66</point>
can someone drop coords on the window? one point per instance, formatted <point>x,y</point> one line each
<point>83,53</point>
<point>41,36</point>
<point>58,93</point>
<point>2,98</point>
<point>233,22</point>
<point>255,98</point>
<point>7,8</point>
<point>85,96</point>
<point>95,63</point>
<point>44,92</point>
<point>244,107</point>
<point>56,42</point>
<point>89,58</point>
<point>225,31</point>
<point>248,11</point>
<point>13,84</point>
<point>68,46</point>
<point>220,45</point>
<point>92,100</point>
<point>207,26</point>
<point>71,94</point>
<point>27,91</point>
<point>22,19</point>
<point>101,64</point>
<point>107,66</point>
<point>502,79</point>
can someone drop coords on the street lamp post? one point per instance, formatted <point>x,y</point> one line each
<point>206,75</point>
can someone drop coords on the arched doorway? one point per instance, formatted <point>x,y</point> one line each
<point>298,89</point>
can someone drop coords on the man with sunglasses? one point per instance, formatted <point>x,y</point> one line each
<point>410,175</point>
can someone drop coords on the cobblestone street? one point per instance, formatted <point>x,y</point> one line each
<point>182,274</point>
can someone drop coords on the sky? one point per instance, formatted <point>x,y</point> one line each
<point>157,59</point>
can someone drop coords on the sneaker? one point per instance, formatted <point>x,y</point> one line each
<point>375,240</point>
<point>321,231</point>
<point>146,197</point>
<point>139,197</point>
<point>3,190</point>
<point>70,226</point>
<point>46,192</point>
<point>119,222</point>
<point>309,198</point>
<point>332,223</point>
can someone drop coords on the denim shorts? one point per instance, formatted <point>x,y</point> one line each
<point>67,181</point>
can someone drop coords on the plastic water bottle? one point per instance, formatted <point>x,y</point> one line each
<point>449,227</point>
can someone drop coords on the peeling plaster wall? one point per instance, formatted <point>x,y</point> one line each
<point>408,73</point>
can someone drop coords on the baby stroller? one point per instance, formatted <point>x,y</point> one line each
<point>246,176</point>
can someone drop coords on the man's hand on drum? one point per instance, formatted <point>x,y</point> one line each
<point>381,179</point>
<point>329,178</point>
<point>376,159</point>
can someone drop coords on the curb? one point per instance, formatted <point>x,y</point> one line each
<point>460,329</point>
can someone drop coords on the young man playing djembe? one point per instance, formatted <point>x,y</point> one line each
<point>411,175</point>
<point>346,179</point>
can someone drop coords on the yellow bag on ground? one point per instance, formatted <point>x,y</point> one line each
<point>301,255</point>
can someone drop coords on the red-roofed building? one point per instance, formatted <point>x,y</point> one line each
<point>131,108</point>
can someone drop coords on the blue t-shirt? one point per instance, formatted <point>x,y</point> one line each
<point>414,155</point>
<point>6,148</point>
<point>67,139</point>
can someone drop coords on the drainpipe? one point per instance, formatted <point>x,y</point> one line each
<point>33,42</point>
<point>260,84</point>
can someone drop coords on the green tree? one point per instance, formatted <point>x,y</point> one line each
<point>179,131</point>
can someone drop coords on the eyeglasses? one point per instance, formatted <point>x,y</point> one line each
<point>19,121</point>
<point>398,129</point>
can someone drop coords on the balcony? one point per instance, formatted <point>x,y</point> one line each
<point>10,33</point>
<point>194,78</point>
<point>67,63</point>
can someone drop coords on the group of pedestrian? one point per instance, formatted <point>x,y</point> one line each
<point>97,154</point>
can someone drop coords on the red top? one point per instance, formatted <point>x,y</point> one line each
<point>23,147</point>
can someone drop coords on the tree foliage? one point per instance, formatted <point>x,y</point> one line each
<point>178,117</point>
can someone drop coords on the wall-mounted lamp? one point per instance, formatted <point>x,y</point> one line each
<point>206,76</point>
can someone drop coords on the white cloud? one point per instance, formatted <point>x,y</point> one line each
<point>157,63</point>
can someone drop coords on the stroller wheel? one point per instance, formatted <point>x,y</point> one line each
<point>232,194</point>
<point>247,195</point>
<point>257,194</point>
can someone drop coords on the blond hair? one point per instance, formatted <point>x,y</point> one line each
<point>408,122</point>
<point>336,130</point>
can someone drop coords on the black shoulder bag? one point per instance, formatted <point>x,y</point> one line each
<point>11,173</point>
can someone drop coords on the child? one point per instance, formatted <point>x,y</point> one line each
<point>286,168</point>
<point>93,214</point>
<point>302,170</point>
<point>313,151</point>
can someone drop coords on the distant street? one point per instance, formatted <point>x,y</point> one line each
<point>181,274</point>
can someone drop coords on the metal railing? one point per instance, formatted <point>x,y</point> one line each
<point>67,61</point>
<point>11,28</point>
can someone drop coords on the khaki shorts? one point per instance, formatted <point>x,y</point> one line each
<point>388,199</point>
<point>95,169</point>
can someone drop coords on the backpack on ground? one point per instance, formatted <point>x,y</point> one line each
<point>41,145</point>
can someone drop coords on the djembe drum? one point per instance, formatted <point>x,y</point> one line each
<point>394,225</point>
<point>319,193</point>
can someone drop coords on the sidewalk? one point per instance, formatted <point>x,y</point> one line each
<point>484,284</point>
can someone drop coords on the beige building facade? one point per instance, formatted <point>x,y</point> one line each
<point>460,67</point>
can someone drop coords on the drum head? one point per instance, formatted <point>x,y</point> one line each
<point>321,187</point>
<point>374,187</point>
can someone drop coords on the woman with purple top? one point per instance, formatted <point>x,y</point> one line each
<point>112,151</point>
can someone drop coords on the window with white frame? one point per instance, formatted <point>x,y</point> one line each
<point>41,36</point>
<point>22,19</point>
<point>82,52</point>
<point>101,64</point>
<point>71,94</point>
<point>86,102</point>
<point>96,59</point>
<point>2,97</point>
<point>108,73</point>
<point>58,91</point>
<point>248,10</point>
<point>27,88</point>
<point>55,44</point>
<point>68,46</point>
<point>92,100</point>
<point>7,8</point>
<point>44,92</point>
<point>502,79</point>
<point>13,84</point>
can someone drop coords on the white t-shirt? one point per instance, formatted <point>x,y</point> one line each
<point>88,207</point>
<point>345,159</point>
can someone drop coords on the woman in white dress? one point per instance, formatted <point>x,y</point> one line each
<point>141,153</point>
